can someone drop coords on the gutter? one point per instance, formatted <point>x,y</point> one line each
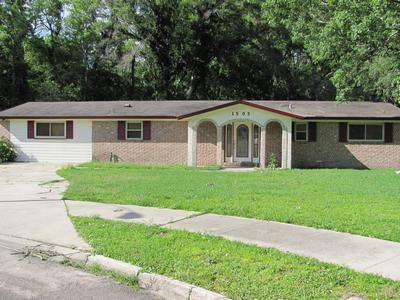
<point>89,117</point>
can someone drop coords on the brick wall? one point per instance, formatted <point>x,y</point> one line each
<point>273,139</point>
<point>206,144</point>
<point>328,152</point>
<point>5,129</point>
<point>168,144</point>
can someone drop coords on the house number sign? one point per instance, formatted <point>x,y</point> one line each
<point>240,113</point>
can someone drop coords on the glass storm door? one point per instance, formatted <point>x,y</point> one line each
<point>242,142</point>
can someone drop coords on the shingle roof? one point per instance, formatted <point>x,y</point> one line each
<point>336,110</point>
<point>186,108</point>
<point>108,109</point>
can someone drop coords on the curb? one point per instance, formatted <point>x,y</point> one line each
<point>113,265</point>
<point>163,286</point>
<point>160,285</point>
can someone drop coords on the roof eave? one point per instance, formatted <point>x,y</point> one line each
<point>89,117</point>
<point>351,118</point>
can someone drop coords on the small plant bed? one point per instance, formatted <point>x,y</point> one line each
<point>237,270</point>
<point>361,202</point>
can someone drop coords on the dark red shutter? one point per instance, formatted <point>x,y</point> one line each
<point>388,132</point>
<point>293,131</point>
<point>31,129</point>
<point>342,132</point>
<point>69,130</point>
<point>121,130</point>
<point>146,130</point>
<point>223,137</point>
<point>312,131</point>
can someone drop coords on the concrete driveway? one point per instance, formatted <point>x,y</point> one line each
<point>33,210</point>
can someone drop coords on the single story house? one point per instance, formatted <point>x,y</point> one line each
<point>298,133</point>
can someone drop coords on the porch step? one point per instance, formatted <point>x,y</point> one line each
<point>243,164</point>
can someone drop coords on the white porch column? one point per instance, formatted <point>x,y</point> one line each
<point>262,147</point>
<point>289,145</point>
<point>192,144</point>
<point>284,147</point>
<point>219,145</point>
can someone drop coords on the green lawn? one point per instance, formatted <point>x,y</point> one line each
<point>362,202</point>
<point>237,270</point>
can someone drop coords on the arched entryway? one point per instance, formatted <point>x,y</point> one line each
<point>206,147</point>
<point>241,143</point>
<point>273,140</point>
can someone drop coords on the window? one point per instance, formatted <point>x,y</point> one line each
<point>50,130</point>
<point>242,141</point>
<point>365,132</point>
<point>134,130</point>
<point>301,132</point>
<point>256,134</point>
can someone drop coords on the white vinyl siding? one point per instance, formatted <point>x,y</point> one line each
<point>78,149</point>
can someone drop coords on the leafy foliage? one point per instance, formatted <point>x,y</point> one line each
<point>357,40</point>
<point>171,49</point>
<point>272,162</point>
<point>7,150</point>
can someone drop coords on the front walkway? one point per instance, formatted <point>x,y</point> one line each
<point>353,251</point>
<point>32,210</point>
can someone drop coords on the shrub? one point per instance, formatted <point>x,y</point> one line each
<point>7,150</point>
<point>273,162</point>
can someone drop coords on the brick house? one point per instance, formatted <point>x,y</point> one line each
<point>298,133</point>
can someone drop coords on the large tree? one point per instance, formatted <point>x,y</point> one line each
<point>189,49</point>
<point>358,40</point>
<point>15,28</point>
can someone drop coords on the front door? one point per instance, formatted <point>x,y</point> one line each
<point>243,142</point>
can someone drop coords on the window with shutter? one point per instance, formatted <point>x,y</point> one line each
<point>365,132</point>
<point>134,130</point>
<point>301,132</point>
<point>50,130</point>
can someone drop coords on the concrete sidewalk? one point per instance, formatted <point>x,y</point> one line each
<point>353,251</point>
<point>33,210</point>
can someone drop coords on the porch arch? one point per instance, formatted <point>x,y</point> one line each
<point>198,123</point>
<point>240,120</point>
<point>206,143</point>
<point>283,126</point>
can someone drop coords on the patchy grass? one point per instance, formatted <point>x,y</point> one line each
<point>237,270</point>
<point>126,280</point>
<point>362,202</point>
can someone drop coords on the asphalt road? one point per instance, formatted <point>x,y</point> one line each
<point>32,278</point>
